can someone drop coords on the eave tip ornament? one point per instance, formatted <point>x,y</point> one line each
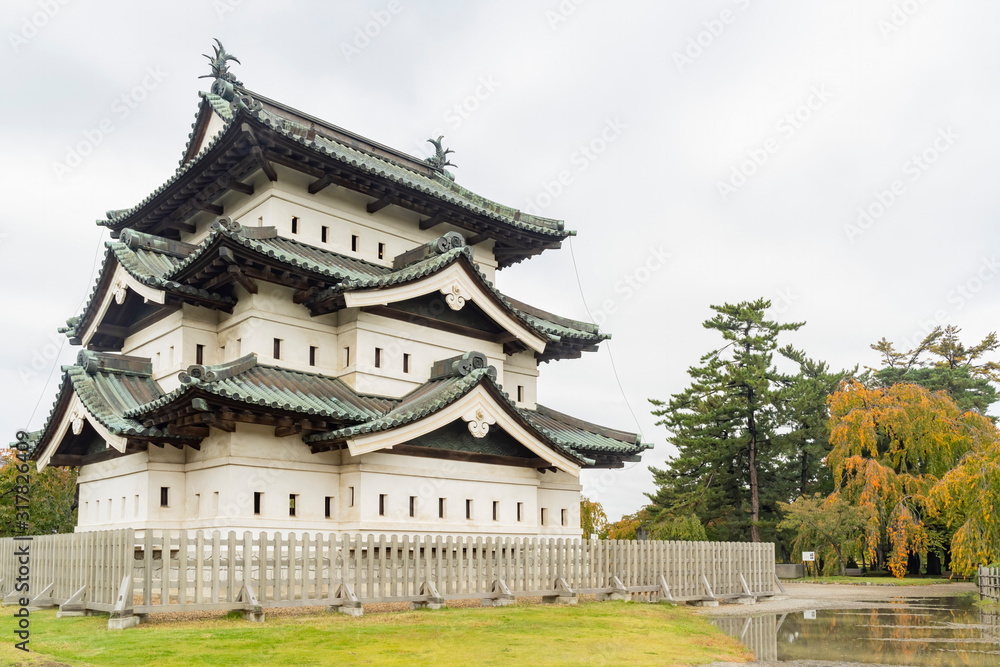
<point>225,81</point>
<point>440,160</point>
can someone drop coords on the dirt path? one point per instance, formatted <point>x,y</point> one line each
<point>840,596</point>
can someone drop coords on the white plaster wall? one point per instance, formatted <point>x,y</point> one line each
<point>236,465</point>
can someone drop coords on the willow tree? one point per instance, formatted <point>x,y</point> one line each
<point>968,498</point>
<point>889,447</point>
<point>724,425</point>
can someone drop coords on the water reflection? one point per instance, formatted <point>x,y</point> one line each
<point>913,631</point>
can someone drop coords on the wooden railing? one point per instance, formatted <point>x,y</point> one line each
<point>989,583</point>
<point>181,571</point>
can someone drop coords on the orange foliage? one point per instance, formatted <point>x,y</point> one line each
<point>890,446</point>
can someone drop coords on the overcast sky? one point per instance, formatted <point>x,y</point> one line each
<point>832,156</point>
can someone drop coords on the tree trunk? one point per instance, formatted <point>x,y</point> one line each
<point>754,495</point>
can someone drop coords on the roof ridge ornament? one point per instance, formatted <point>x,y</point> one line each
<point>440,160</point>
<point>225,81</point>
<point>197,373</point>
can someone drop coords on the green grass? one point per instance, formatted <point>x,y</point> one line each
<point>874,581</point>
<point>605,633</point>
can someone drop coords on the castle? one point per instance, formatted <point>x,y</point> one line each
<point>299,331</point>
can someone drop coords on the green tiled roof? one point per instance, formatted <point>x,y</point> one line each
<point>439,394</point>
<point>121,394</point>
<point>148,266</point>
<point>583,436</point>
<point>398,172</point>
<point>276,389</point>
<point>108,392</point>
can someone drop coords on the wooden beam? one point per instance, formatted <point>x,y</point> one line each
<point>285,431</point>
<point>440,325</point>
<point>214,209</point>
<point>265,166</point>
<point>244,280</point>
<point>320,184</point>
<point>378,205</point>
<point>112,330</point>
<point>432,221</point>
<point>229,183</point>
<point>477,239</point>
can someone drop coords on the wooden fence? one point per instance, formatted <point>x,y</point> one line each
<point>193,571</point>
<point>989,583</point>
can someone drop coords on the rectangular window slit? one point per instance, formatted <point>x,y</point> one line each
<point>277,348</point>
<point>350,496</point>
<point>563,516</point>
<point>164,496</point>
<point>354,243</point>
<point>257,497</point>
<point>347,357</point>
<point>381,251</point>
<point>406,363</point>
<point>520,393</point>
<point>520,511</point>
<point>496,510</point>
<point>413,506</point>
<point>378,357</point>
<point>327,507</point>
<point>291,504</point>
<point>545,516</point>
<point>468,508</point>
<point>324,234</point>
<point>312,355</point>
<point>295,225</point>
<point>381,504</point>
<point>199,354</point>
<point>441,508</point>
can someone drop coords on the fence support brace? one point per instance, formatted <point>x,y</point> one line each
<point>665,595</point>
<point>501,595</point>
<point>564,594</point>
<point>122,616</point>
<point>346,602</point>
<point>618,591</point>
<point>433,599</point>
<point>709,600</point>
<point>253,611</point>
<point>74,606</point>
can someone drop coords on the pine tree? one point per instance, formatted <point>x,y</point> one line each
<point>724,425</point>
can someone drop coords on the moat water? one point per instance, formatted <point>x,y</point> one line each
<point>902,631</point>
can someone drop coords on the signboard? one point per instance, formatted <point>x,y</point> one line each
<point>808,556</point>
<point>809,614</point>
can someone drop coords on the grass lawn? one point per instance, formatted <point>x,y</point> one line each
<point>595,633</point>
<point>875,581</point>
